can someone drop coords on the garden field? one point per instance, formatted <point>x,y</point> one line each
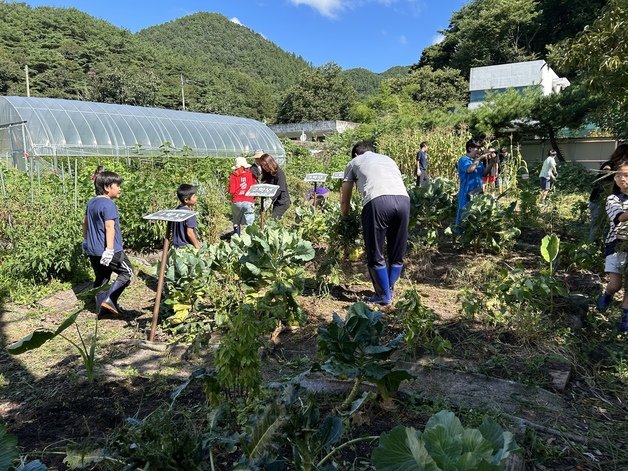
<point>492,355</point>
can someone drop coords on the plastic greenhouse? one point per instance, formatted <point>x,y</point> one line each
<point>49,127</point>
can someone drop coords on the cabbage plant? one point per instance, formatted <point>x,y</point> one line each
<point>444,445</point>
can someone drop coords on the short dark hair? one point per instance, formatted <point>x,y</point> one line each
<point>471,144</point>
<point>185,191</point>
<point>105,179</point>
<point>422,145</point>
<point>362,147</point>
<point>551,152</point>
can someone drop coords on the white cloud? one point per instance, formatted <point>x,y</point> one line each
<point>331,8</point>
<point>437,38</point>
<point>236,21</point>
<point>403,40</point>
<point>327,8</point>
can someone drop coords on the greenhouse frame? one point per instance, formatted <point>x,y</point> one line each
<point>32,127</point>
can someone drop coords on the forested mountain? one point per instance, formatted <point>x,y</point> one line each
<point>226,68</point>
<point>212,39</point>
<point>367,83</point>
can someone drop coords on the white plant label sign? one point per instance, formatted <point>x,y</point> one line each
<point>315,177</point>
<point>263,189</point>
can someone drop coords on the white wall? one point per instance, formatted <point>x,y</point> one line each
<point>517,74</point>
<point>590,152</point>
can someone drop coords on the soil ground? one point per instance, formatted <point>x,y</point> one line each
<point>49,405</point>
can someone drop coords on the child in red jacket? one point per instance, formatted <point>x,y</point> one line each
<point>240,181</point>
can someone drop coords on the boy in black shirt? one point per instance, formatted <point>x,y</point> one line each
<point>184,233</point>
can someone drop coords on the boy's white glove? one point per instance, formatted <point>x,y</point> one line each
<point>106,257</point>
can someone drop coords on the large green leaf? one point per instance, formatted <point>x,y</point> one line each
<point>550,245</point>
<point>391,381</point>
<point>39,337</point>
<point>8,448</point>
<point>445,449</point>
<point>448,420</point>
<point>503,443</point>
<point>401,450</point>
<point>474,442</point>
<point>35,465</point>
<point>330,431</point>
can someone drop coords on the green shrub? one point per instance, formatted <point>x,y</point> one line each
<point>417,322</point>
<point>486,224</point>
<point>432,207</point>
<point>352,348</point>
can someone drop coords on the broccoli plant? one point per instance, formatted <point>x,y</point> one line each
<point>431,206</point>
<point>352,349</point>
<point>486,224</point>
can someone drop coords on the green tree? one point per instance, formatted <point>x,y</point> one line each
<point>485,32</point>
<point>534,113</point>
<point>599,58</point>
<point>320,94</point>
<point>433,88</point>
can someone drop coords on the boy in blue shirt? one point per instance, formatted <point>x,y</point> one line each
<point>102,241</point>
<point>184,233</point>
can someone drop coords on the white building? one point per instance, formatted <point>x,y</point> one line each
<point>518,75</point>
<point>312,130</point>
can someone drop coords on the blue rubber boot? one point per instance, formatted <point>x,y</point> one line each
<point>623,323</point>
<point>110,303</point>
<point>381,284</point>
<point>100,297</point>
<point>603,302</point>
<point>394,272</point>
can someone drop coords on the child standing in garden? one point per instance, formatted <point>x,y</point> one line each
<point>184,233</point>
<point>240,180</point>
<point>615,253</point>
<point>102,241</point>
<point>548,173</point>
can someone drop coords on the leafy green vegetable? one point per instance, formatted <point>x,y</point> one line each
<point>444,445</point>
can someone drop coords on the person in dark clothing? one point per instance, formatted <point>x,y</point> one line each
<point>102,241</point>
<point>422,177</point>
<point>385,215</point>
<point>184,233</point>
<point>273,175</point>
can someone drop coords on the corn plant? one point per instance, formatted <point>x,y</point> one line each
<point>445,148</point>
<point>86,349</point>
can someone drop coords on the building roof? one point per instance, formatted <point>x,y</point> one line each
<point>312,128</point>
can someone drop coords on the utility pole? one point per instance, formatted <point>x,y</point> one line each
<point>182,92</point>
<point>28,86</point>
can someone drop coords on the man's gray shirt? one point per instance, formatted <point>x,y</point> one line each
<point>375,175</point>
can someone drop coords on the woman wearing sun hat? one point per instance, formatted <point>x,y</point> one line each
<point>256,168</point>
<point>240,180</point>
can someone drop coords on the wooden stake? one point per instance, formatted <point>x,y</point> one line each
<point>160,281</point>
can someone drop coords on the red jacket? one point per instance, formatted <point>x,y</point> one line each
<point>239,182</point>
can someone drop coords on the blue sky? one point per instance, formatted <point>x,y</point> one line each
<point>374,34</point>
